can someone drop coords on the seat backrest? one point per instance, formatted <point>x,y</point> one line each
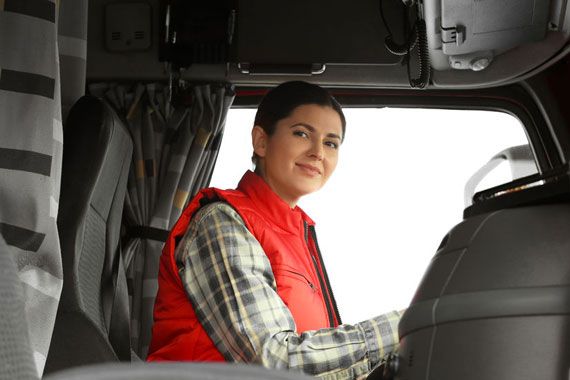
<point>494,302</point>
<point>177,371</point>
<point>16,357</point>
<point>92,323</point>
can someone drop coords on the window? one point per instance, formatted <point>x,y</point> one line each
<point>398,189</point>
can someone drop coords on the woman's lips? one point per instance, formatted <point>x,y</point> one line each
<point>309,169</point>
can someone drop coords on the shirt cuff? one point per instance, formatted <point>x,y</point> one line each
<point>381,336</point>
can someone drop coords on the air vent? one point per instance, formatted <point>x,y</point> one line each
<point>127,26</point>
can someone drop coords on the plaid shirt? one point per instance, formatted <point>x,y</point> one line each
<point>229,281</point>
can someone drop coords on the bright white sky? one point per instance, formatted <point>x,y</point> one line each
<point>396,192</point>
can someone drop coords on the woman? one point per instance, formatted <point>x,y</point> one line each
<point>241,276</point>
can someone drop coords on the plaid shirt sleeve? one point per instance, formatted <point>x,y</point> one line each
<point>229,281</point>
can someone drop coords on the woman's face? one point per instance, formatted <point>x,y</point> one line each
<point>302,153</point>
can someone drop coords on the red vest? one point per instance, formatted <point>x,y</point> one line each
<point>288,239</point>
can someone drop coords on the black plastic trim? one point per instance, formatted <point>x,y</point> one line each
<point>555,187</point>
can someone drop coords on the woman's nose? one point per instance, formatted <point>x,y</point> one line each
<point>316,151</point>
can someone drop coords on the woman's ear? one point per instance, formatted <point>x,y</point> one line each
<point>259,141</point>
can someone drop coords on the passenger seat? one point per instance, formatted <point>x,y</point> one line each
<point>92,323</point>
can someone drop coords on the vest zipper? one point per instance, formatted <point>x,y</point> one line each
<point>330,302</point>
<point>331,294</point>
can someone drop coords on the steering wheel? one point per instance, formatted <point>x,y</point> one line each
<point>387,370</point>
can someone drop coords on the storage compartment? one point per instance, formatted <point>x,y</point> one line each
<point>469,26</point>
<point>317,31</point>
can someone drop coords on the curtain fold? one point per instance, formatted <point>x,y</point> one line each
<point>72,44</point>
<point>31,145</point>
<point>175,149</point>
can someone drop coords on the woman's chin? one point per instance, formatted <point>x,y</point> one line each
<point>308,189</point>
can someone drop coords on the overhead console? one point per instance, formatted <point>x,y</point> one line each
<point>365,43</point>
<point>246,41</point>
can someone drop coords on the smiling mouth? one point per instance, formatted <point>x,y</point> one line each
<point>310,169</point>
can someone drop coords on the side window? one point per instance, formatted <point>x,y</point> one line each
<point>398,188</point>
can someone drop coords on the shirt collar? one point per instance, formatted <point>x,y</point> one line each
<point>271,205</point>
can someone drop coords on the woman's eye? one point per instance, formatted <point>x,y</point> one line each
<point>300,134</point>
<point>331,144</point>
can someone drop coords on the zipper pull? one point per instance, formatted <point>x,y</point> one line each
<point>306,232</point>
<point>313,287</point>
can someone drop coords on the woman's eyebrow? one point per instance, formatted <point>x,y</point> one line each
<point>312,129</point>
<point>333,136</point>
<point>308,126</point>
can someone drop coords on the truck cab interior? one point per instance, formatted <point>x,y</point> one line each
<point>112,115</point>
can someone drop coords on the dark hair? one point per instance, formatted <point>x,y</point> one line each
<point>280,102</point>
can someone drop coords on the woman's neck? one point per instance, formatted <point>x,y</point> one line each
<point>260,172</point>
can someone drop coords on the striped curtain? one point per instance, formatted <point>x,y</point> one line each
<point>174,154</point>
<point>72,43</point>
<point>31,142</point>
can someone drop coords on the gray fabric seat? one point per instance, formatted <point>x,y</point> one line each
<point>92,323</point>
<point>494,302</point>
<point>176,371</point>
<point>16,357</point>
